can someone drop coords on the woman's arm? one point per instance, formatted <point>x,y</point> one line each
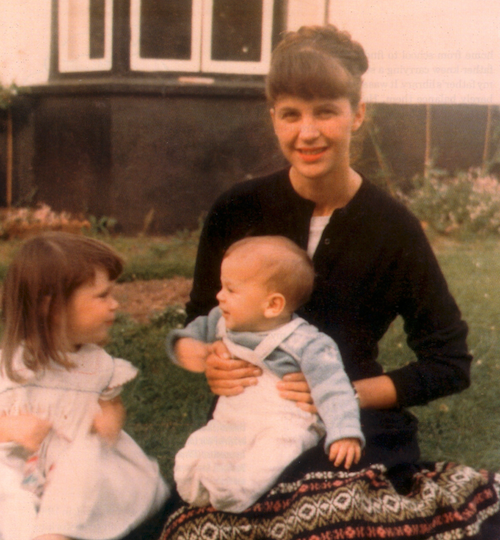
<point>27,430</point>
<point>374,393</point>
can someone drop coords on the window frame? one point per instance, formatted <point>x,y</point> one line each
<point>118,65</point>
<point>67,64</point>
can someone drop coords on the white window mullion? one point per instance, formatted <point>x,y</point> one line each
<point>74,37</point>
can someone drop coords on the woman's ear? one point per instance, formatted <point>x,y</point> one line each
<point>359,116</point>
<point>272,112</point>
<point>275,305</point>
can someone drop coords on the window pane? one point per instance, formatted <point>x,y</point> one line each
<point>96,28</point>
<point>237,30</point>
<point>165,29</point>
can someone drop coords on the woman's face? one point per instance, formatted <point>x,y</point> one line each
<point>315,135</point>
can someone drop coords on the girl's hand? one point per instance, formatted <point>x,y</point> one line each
<point>227,376</point>
<point>25,429</point>
<point>347,451</point>
<point>295,388</point>
<point>109,421</point>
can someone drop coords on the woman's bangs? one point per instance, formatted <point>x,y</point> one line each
<point>308,75</point>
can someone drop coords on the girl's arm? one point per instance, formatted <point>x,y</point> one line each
<point>109,421</point>
<point>27,430</point>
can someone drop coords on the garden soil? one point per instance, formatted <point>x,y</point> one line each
<point>142,299</point>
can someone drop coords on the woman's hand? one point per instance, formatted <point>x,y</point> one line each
<point>294,387</point>
<point>25,429</point>
<point>227,376</point>
<point>109,421</point>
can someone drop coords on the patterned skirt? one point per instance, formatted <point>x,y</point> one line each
<point>444,501</point>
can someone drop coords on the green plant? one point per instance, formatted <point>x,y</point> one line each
<point>7,94</point>
<point>22,222</point>
<point>103,226</point>
<point>465,204</point>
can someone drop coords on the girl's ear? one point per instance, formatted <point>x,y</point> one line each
<point>275,305</point>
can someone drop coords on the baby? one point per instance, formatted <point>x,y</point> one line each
<point>253,436</point>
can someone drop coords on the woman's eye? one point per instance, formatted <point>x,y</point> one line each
<point>326,113</point>
<point>289,115</point>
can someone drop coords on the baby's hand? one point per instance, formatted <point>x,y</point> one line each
<point>347,451</point>
<point>25,429</point>
<point>191,354</point>
<point>109,421</point>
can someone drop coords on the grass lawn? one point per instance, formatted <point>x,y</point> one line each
<point>166,403</point>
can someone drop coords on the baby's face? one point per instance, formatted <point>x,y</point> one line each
<point>243,297</point>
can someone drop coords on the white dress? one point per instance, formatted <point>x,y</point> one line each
<point>76,484</point>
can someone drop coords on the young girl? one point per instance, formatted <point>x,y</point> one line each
<point>73,473</point>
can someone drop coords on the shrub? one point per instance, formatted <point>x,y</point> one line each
<point>7,94</point>
<point>465,204</point>
<point>23,222</point>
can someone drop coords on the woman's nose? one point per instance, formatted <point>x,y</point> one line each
<point>114,304</point>
<point>219,296</point>
<point>309,129</point>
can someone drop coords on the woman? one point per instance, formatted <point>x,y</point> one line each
<point>373,262</point>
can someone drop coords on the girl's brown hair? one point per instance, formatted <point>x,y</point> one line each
<point>43,275</point>
<point>317,62</point>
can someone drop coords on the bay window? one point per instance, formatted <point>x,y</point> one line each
<point>193,36</point>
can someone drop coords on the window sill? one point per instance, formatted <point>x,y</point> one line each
<point>180,85</point>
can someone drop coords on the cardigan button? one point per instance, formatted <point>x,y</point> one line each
<point>327,241</point>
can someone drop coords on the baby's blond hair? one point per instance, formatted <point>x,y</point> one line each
<point>285,267</point>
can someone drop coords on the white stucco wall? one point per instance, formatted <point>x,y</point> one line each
<point>25,41</point>
<point>426,51</point>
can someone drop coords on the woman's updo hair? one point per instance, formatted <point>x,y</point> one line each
<point>317,62</point>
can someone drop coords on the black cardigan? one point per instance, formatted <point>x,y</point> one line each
<point>373,263</point>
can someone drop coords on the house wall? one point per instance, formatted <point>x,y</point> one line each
<point>134,154</point>
<point>135,148</point>
<point>25,47</point>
